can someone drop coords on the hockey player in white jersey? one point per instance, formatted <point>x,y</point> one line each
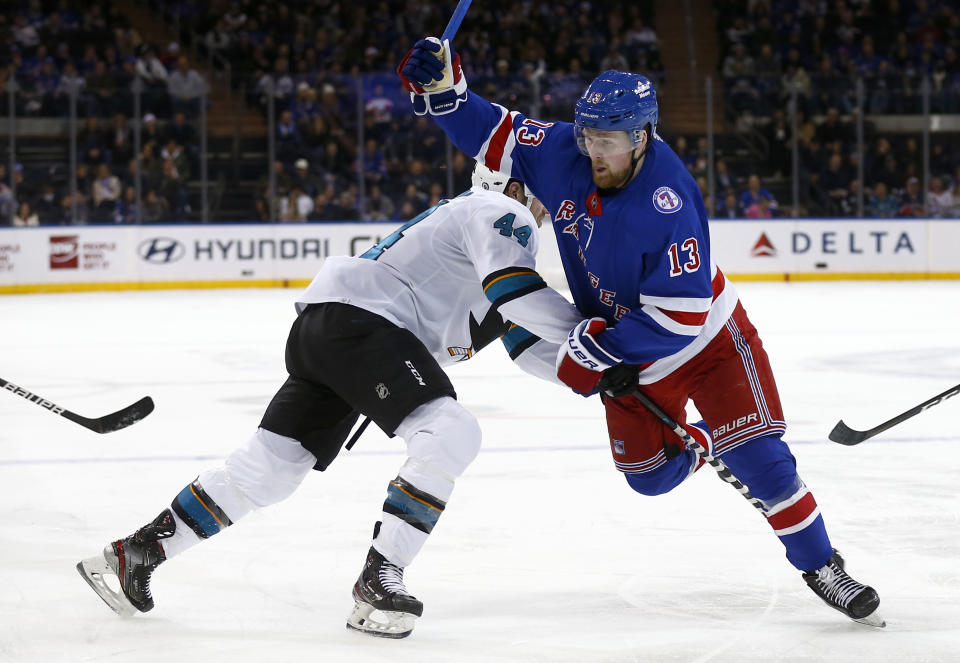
<point>370,338</point>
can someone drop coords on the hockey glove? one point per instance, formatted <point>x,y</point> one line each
<point>581,361</point>
<point>619,380</point>
<point>432,74</point>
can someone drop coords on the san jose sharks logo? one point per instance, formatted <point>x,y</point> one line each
<point>482,333</point>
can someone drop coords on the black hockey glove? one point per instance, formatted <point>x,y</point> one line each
<point>619,380</point>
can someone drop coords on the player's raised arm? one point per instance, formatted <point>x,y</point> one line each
<point>501,139</point>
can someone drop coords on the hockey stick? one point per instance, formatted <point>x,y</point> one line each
<point>700,450</point>
<point>105,424</point>
<point>454,24</point>
<point>843,434</point>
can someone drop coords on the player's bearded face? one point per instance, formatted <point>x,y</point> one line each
<point>610,156</point>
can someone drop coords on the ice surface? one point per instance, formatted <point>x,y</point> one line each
<point>543,554</point>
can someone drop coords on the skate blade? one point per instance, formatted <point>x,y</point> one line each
<point>873,619</point>
<point>93,570</point>
<point>380,623</point>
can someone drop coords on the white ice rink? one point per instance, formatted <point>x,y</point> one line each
<point>543,554</point>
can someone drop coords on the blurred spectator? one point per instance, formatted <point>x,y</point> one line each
<point>305,180</point>
<point>173,191</point>
<point>126,210</point>
<point>729,206</point>
<point>686,156</point>
<point>175,153</point>
<point>304,106</point>
<point>296,206</point>
<point>848,206</point>
<point>288,138</point>
<point>882,204</point>
<point>834,180</point>
<point>283,182</point>
<point>46,205</point>
<point>833,130</point>
<point>760,209</point>
<point>25,216</point>
<point>939,199</point>
<point>150,132</point>
<point>154,77</point>
<point>778,137</point>
<point>71,82</point>
<point>67,208</point>
<point>187,88</point>
<point>119,140</point>
<point>170,55</point>
<point>278,80</point>
<point>102,87</point>
<point>379,206</point>
<point>347,204</point>
<point>155,207</point>
<point>84,179</point>
<point>24,33</point>
<point>218,39</point>
<point>754,193</point>
<point>911,202</point>
<point>911,157</point>
<point>738,63</point>
<point>374,164</point>
<point>380,106</point>
<point>106,191</point>
<point>90,141</point>
<point>723,178</point>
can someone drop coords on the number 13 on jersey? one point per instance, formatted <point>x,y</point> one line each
<point>688,252</point>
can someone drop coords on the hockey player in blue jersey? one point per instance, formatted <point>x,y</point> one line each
<point>634,241</point>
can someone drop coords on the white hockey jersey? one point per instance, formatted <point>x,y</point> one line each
<point>457,276</point>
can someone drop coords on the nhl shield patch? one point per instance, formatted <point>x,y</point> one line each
<point>666,200</point>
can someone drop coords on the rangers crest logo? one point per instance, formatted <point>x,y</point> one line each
<point>618,447</point>
<point>666,200</point>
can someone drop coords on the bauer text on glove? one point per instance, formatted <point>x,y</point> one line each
<point>432,74</point>
<point>581,361</point>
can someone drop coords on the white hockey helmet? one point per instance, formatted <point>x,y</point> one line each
<point>492,180</point>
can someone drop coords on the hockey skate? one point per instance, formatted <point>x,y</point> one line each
<point>130,561</point>
<point>841,592</point>
<point>383,607</point>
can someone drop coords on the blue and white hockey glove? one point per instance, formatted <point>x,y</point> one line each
<point>581,362</point>
<point>431,72</point>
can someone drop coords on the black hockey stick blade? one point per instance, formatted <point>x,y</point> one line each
<point>115,421</point>
<point>105,424</point>
<point>843,434</point>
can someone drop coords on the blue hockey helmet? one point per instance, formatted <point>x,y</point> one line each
<point>617,101</point>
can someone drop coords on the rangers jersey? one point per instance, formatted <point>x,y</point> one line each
<point>639,258</point>
<point>459,275</point>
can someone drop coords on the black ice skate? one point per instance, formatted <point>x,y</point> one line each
<point>131,560</point>
<point>840,591</point>
<point>379,592</point>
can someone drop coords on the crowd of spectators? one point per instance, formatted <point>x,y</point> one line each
<point>304,58</point>
<point>88,51</point>
<point>771,48</point>
<point>348,147</point>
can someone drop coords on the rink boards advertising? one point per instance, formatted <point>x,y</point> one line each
<point>68,258</point>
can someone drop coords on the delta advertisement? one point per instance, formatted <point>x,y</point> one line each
<point>66,258</point>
